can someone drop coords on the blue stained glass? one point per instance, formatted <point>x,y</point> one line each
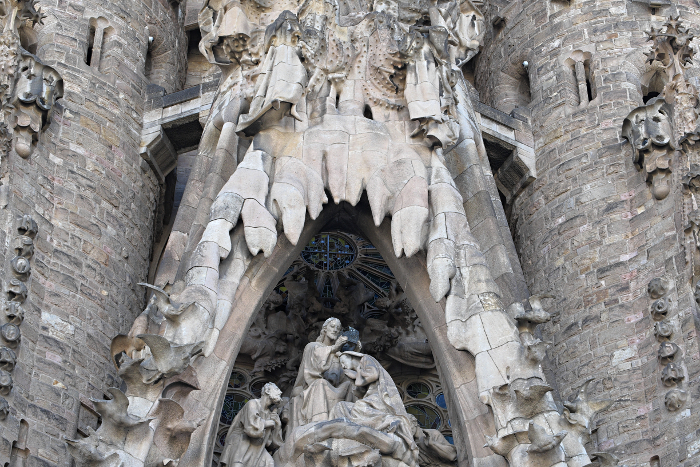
<point>329,252</point>
<point>222,437</point>
<point>237,380</point>
<point>450,439</point>
<point>378,281</point>
<point>418,390</point>
<point>440,401</point>
<point>427,418</point>
<point>233,403</point>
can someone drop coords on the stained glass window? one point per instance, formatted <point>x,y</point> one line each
<point>237,380</point>
<point>329,252</point>
<point>256,388</point>
<point>418,390</point>
<point>440,401</point>
<point>375,279</point>
<point>222,438</point>
<point>427,417</point>
<point>233,403</point>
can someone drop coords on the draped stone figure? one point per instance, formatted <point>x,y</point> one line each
<point>320,383</point>
<point>256,428</point>
<point>381,407</point>
<point>374,430</point>
<point>434,449</point>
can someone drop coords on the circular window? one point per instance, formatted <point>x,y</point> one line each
<point>257,387</point>
<point>427,418</point>
<point>440,401</point>
<point>233,403</point>
<point>329,252</point>
<point>237,380</point>
<point>418,390</point>
<point>221,437</point>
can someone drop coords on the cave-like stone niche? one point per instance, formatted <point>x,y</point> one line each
<point>338,274</point>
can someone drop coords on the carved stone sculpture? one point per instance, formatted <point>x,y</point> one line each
<point>663,330</point>
<point>672,374</point>
<point>5,382</point>
<point>675,399</point>
<point>104,447</point>
<point>668,351</point>
<point>38,88</point>
<point>434,449</point>
<point>672,52</point>
<point>373,430</point>
<point>4,408</point>
<point>321,382</point>
<point>8,358</point>
<point>648,130</point>
<point>256,428</point>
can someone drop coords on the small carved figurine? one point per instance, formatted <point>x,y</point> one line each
<point>255,428</point>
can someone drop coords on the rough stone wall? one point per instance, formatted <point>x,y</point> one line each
<point>588,229</point>
<point>93,199</point>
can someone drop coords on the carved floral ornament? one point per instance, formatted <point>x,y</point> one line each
<point>344,102</point>
<point>672,373</point>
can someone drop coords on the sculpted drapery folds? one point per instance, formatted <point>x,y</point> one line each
<point>256,428</point>
<point>320,383</point>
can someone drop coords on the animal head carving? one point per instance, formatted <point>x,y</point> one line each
<point>648,129</point>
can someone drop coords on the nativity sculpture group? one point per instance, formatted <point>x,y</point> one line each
<point>344,410</point>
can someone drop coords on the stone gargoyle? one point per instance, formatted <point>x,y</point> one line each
<point>38,87</point>
<point>648,129</point>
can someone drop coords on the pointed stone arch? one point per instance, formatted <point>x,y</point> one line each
<point>470,419</point>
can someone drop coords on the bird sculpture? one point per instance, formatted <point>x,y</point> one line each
<point>166,359</point>
<point>116,419</point>
<point>582,409</point>
<point>170,310</point>
<point>541,441</point>
<point>90,452</point>
<point>172,436</point>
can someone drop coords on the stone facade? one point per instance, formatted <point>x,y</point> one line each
<point>564,156</point>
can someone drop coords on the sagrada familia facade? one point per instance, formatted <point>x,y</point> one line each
<point>350,233</point>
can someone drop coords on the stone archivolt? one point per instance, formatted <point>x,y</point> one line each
<point>336,100</point>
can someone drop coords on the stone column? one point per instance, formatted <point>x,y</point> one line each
<point>588,230</point>
<point>92,198</point>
